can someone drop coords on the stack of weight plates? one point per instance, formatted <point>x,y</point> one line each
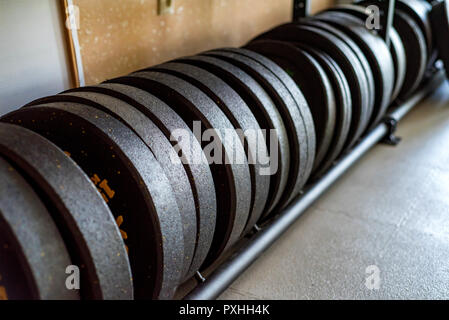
<point>126,189</point>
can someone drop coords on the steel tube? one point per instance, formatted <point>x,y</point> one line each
<point>231,269</point>
<point>387,19</point>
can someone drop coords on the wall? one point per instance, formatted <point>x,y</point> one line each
<point>33,61</point>
<point>117,37</point>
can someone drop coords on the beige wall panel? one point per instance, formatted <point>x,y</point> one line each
<point>117,37</point>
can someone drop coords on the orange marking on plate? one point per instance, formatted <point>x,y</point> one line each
<point>119,220</point>
<point>124,234</point>
<point>107,189</point>
<point>95,179</point>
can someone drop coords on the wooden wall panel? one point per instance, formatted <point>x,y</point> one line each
<point>120,36</point>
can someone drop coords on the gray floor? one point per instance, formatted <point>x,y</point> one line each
<point>390,211</point>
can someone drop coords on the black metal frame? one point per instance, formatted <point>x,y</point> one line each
<point>301,9</point>
<point>226,273</point>
<point>387,19</point>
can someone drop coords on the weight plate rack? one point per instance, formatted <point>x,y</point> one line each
<point>189,170</point>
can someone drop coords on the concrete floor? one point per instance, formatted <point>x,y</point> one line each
<point>390,211</point>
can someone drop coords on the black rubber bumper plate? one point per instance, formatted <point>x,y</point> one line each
<point>291,116</point>
<point>377,54</point>
<point>161,148</point>
<point>345,58</point>
<point>415,47</point>
<point>343,106</point>
<point>313,82</point>
<point>419,11</point>
<point>130,180</point>
<point>415,50</point>
<point>266,113</point>
<point>242,118</point>
<point>298,97</point>
<point>396,47</point>
<point>440,25</point>
<point>33,255</point>
<point>82,217</point>
<point>188,147</point>
<point>366,75</point>
<point>231,174</point>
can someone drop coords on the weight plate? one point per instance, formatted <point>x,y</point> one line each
<point>361,58</point>
<point>161,148</point>
<point>189,147</point>
<point>439,17</point>
<point>266,114</point>
<point>342,101</point>
<point>232,180</point>
<point>82,217</point>
<point>32,253</point>
<point>313,82</point>
<point>242,119</point>
<point>415,51</point>
<point>396,47</point>
<point>345,58</point>
<point>130,180</point>
<point>290,114</point>
<point>377,54</point>
<point>397,51</point>
<point>296,94</point>
<point>419,11</point>
<point>415,48</point>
